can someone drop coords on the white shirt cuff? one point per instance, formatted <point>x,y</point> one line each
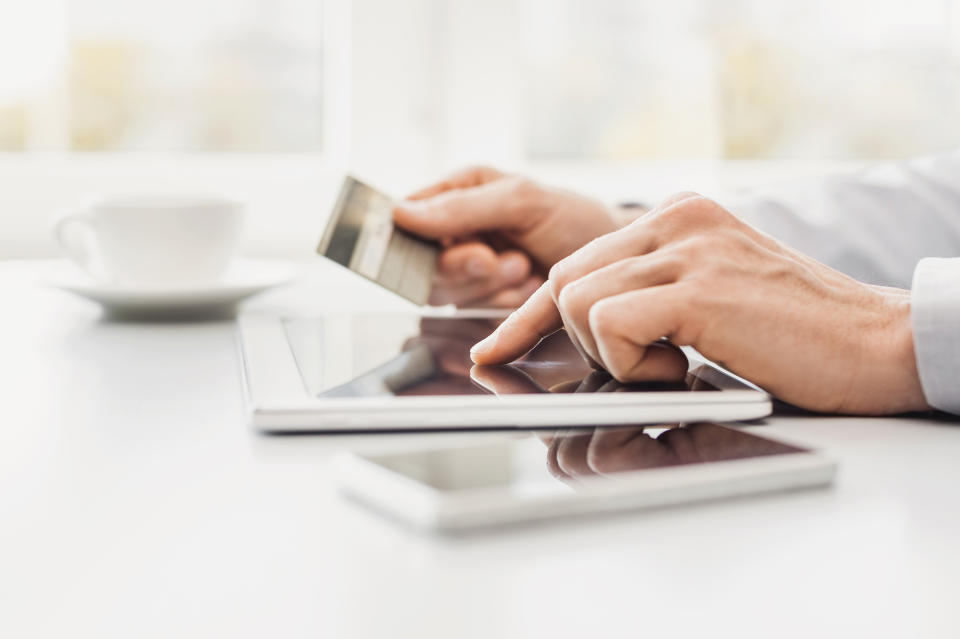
<point>935,313</point>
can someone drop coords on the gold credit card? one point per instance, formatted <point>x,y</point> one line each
<point>361,235</point>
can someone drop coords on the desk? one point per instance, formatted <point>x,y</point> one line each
<point>136,502</point>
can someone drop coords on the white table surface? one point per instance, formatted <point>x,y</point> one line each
<point>136,502</point>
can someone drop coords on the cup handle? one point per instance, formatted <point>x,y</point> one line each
<point>77,236</point>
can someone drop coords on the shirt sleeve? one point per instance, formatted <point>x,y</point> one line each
<point>874,225</point>
<point>935,313</point>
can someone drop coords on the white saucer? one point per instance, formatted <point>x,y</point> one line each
<point>244,278</point>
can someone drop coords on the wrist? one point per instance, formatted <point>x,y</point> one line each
<point>901,389</point>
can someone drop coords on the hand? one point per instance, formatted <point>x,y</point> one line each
<point>502,233</point>
<point>554,365</point>
<point>694,273</point>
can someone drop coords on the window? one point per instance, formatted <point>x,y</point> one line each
<point>621,79</point>
<point>271,101</point>
<point>521,80</point>
<point>178,75</point>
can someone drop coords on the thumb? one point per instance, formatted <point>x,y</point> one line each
<point>521,331</point>
<point>489,207</point>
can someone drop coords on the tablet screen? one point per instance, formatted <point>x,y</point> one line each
<point>404,355</point>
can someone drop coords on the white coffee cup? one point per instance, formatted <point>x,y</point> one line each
<point>153,241</point>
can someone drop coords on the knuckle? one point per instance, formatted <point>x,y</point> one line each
<point>559,276</point>
<point>602,320</point>
<point>691,251</point>
<point>618,372</point>
<point>606,330</point>
<point>484,173</point>
<point>556,289</point>
<point>680,196</point>
<point>571,268</point>
<point>556,271</point>
<point>686,250</point>
<point>694,208</point>
<point>478,171</point>
<point>697,211</point>
<point>671,262</point>
<point>567,301</point>
<point>709,211</point>
<point>633,266</point>
<point>525,191</point>
<point>634,269</point>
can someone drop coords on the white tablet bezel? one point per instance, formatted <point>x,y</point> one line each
<point>278,401</point>
<point>422,506</point>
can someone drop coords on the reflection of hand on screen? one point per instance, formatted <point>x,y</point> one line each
<point>601,451</point>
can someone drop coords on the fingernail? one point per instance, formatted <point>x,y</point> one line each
<point>483,345</point>
<point>476,266</point>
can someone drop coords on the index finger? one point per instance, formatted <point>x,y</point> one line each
<point>462,179</point>
<point>521,331</point>
<point>491,206</point>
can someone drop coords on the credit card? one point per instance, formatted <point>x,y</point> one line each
<point>361,235</point>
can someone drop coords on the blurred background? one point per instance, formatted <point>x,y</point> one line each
<point>272,100</point>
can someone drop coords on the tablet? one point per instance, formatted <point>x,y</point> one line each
<point>376,372</point>
<point>577,472</point>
